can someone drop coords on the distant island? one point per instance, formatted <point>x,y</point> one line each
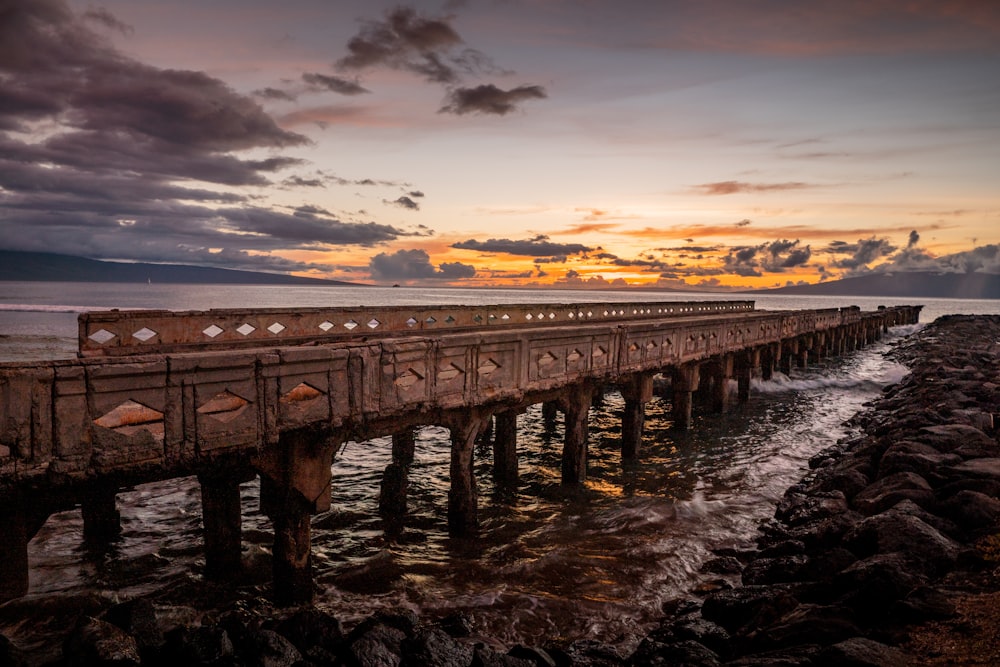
<point>34,266</point>
<point>904,284</point>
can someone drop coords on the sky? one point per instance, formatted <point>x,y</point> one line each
<point>692,144</point>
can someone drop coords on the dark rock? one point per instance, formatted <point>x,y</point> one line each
<point>791,657</point>
<point>723,565</point>
<point>796,509</point>
<point>826,534</point>
<point>483,656</point>
<point>915,457</point>
<point>924,604</point>
<point>807,624</point>
<point>961,439</point>
<point>10,654</point>
<point>435,647</point>
<point>982,468</point>
<point>861,652</point>
<point>874,583</point>
<point>886,492</point>
<point>96,643</point>
<point>976,512</point>
<point>784,569</point>
<point>895,531</point>
<point>849,481</point>
<point>704,632</point>
<point>203,645</point>
<point>588,653</point>
<point>739,607</point>
<point>537,656</point>
<point>685,653</point>
<point>377,646</point>
<point>783,548</point>
<point>458,624</point>
<point>311,627</point>
<point>138,618</point>
<point>269,649</point>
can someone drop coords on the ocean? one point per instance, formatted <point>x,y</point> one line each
<point>598,562</point>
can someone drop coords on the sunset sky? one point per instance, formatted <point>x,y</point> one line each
<point>675,143</point>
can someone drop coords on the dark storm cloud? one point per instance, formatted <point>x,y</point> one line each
<point>862,253</point>
<point>488,99</point>
<point>275,94</point>
<point>775,257</point>
<point>404,202</point>
<point>107,19</point>
<point>913,239</point>
<point>135,161</point>
<point>733,187</point>
<point>416,265</point>
<point>404,40</point>
<point>539,246</point>
<point>334,83</point>
<point>430,47</point>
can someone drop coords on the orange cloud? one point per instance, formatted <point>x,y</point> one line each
<point>733,187</point>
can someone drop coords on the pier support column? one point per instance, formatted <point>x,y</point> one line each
<point>788,351</point>
<point>685,381</point>
<point>101,518</point>
<point>721,371</point>
<point>767,362</point>
<point>295,482</point>
<point>637,390</point>
<point>505,449</point>
<point>395,479</point>
<point>550,410</point>
<point>18,524</point>
<point>222,520</point>
<point>744,364</point>
<point>463,518</point>
<point>577,401</point>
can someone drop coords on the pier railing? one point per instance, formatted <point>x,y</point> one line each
<point>123,332</point>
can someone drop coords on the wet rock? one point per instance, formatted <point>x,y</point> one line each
<point>981,468</point>
<point>309,628</point>
<point>704,632</point>
<point>535,655</point>
<point>894,531</point>
<point>483,656</point>
<point>756,605</point>
<point>796,656</point>
<point>887,491</point>
<point>975,512</point>
<point>961,439</point>
<point>10,654</point>
<point>97,643</point>
<point>807,624</point>
<point>924,603</point>
<point>269,649</point>
<point>137,618</point>
<point>723,565</point>
<point>458,624</point>
<point>784,569</point>
<point>862,652</point>
<point>377,645</point>
<point>872,585</point>
<point>435,647</point>
<point>796,509</point>
<point>687,653</point>
<point>587,653</point>
<point>205,645</point>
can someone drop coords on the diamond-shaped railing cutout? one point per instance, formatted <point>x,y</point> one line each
<point>411,323</point>
<point>131,417</point>
<point>478,319</point>
<point>651,345</point>
<point>574,356</point>
<point>449,320</point>
<point>599,352</point>
<point>546,359</point>
<point>373,323</point>
<point>213,331</point>
<point>246,329</point>
<point>590,313</point>
<point>492,317</point>
<point>224,407</point>
<point>572,316</point>
<point>144,334</point>
<point>505,317</point>
<point>605,313</point>
<point>552,316</point>
<point>450,372</point>
<point>300,393</point>
<point>487,367</point>
<point>408,378</point>
<point>541,316</point>
<point>430,320</point>
<point>101,336</point>
<point>350,325</point>
<point>327,325</point>
<point>528,316</point>
<point>633,347</point>
<point>276,328</point>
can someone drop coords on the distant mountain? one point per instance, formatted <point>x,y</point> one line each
<point>64,268</point>
<point>905,284</point>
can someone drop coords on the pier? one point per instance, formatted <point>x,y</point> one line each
<point>227,395</point>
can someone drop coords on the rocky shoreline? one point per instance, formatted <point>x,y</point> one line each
<point>888,553</point>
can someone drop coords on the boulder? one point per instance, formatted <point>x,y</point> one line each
<point>806,624</point>
<point>684,653</point>
<point>862,652</point>
<point>378,645</point>
<point>895,531</point>
<point>309,628</point>
<point>977,513</point>
<point>887,491</point>
<point>435,647</point>
<point>97,643</point>
<point>748,605</point>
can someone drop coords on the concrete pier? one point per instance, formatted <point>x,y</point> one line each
<point>229,394</point>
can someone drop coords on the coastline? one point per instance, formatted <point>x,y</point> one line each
<point>881,556</point>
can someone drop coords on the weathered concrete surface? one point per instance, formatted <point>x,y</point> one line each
<point>68,428</point>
